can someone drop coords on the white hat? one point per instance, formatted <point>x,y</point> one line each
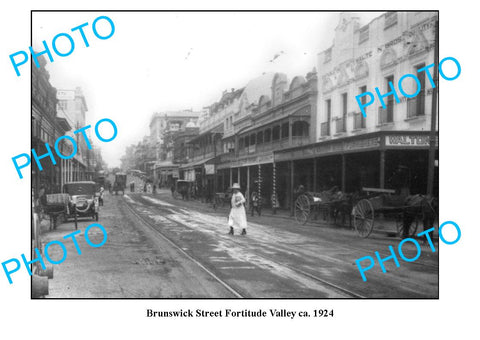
<point>236,186</point>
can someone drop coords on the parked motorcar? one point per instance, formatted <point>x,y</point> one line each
<point>83,199</point>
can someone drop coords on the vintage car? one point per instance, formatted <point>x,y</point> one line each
<point>83,199</point>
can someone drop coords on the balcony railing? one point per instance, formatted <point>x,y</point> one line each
<point>385,115</point>
<point>416,106</point>
<point>341,125</point>
<point>358,121</point>
<point>325,129</point>
<point>300,140</point>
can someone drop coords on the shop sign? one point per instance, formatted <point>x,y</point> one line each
<point>65,95</point>
<point>362,144</point>
<point>408,140</point>
<point>322,149</point>
<point>190,175</point>
<point>247,161</point>
<point>209,169</point>
<point>364,56</point>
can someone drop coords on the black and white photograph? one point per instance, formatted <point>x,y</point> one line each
<point>238,164</point>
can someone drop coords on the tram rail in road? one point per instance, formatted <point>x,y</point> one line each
<point>235,291</point>
<point>231,289</point>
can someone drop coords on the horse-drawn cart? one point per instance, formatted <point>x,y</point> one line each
<point>57,209</point>
<point>314,203</point>
<point>120,183</point>
<point>384,205</point>
<point>183,189</point>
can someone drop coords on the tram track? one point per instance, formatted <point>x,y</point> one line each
<point>366,250</point>
<point>147,223</point>
<point>345,291</point>
<point>340,290</point>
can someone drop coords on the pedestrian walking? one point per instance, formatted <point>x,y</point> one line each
<point>255,203</point>
<point>238,215</point>
<point>100,196</point>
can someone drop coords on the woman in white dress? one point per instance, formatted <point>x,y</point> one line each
<point>238,215</point>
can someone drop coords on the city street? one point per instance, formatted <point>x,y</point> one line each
<point>286,130</point>
<point>159,247</point>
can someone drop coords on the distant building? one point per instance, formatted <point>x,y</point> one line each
<point>169,121</point>
<point>205,147</point>
<point>73,107</point>
<point>245,129</point>
<point>166,129</point>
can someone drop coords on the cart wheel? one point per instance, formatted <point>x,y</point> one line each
<point>176,195</point>
<point>363,217</point>
<point>302,209</point>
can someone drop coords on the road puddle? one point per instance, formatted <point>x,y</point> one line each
<point>157,201</point>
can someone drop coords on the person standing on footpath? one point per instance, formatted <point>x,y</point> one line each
<point>238,215</point>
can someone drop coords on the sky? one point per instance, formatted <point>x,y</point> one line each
<point>157,61</point>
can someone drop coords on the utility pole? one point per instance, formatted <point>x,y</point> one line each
<point>433,135</point>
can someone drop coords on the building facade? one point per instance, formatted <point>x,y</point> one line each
<point>166,129</point>
<point>238,140</point>
<point>354,152</point>
<point>47,126</point>
<point>72,106</point>
<point>208,144</point>
<point>276,134</point>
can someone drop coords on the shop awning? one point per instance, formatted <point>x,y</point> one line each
<point>196,163</point>
<point>380,140</point>
<point>165,165</point>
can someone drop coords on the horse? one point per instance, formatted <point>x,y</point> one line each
<point>416,205</point>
